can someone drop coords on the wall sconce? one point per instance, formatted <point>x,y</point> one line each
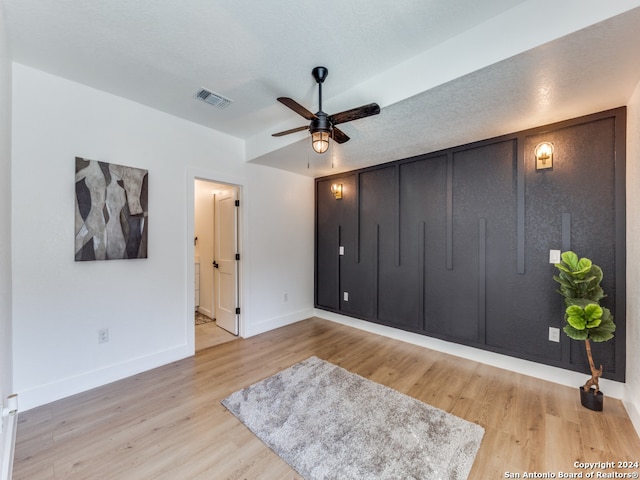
<point>336,189</point>
<point>544,155</point>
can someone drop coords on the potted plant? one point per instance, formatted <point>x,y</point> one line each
<point>586,319</point>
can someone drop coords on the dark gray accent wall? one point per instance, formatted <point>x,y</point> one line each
<point>455,244</point>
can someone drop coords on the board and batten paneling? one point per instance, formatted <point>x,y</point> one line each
<point>455,244</point>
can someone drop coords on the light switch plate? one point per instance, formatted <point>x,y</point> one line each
<point>554,256</point>
<point>341,250</point>
<point>554,334</point>
<point>346,296</point>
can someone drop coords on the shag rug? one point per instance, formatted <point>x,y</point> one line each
<point>328,423</point>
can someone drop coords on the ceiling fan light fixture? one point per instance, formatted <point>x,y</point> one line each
<point>320,141</point>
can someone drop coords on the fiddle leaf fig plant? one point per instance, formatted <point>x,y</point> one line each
<point>586,319</point>
<point>579,279</point>
<point>581,319</point>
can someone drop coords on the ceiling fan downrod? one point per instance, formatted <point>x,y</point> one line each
<point>320,73</point>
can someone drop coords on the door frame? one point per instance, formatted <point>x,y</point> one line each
<point>243,236</point>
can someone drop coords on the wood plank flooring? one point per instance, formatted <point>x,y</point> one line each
<point>210,335</point>
<point>168,423</point>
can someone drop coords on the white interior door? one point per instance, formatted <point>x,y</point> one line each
<point>225,273</point>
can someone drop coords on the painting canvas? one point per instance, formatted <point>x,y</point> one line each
<point>111,211</point>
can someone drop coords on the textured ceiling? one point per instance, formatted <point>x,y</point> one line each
<point>444,73</point>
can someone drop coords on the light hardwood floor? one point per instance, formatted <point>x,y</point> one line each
<point>168,423</point>
<point>209,335</point>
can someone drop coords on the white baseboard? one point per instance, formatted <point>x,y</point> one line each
<point>205,311</point>
<point>8,440</point>
<point>633,410</point>
<point>43,394</point>
<point>277,322</point>
<point>525,367</point>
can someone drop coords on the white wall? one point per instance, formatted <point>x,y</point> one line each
<point>280,238</point>
<point>59,304</point>
<point>632,397</point>
<point>6,381</point>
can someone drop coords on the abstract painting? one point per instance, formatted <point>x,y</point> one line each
<point>111,211</point>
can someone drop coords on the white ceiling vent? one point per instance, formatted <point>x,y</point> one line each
<point>213,98</point>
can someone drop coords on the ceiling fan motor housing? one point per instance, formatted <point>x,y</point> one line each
<point>320,124</point>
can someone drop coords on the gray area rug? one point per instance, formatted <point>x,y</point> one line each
<point>328,423</point>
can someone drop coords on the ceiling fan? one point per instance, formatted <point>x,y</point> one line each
<point>323,126</point>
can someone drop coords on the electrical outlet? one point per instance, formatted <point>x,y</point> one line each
<point>345,296</point>
<point>554,256</point>
<point>554,334</point>
<point>103,335</point>
<point>341,250</point>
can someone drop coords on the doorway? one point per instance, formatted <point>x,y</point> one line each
<point>216,259</point>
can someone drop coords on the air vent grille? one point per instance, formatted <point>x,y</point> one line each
<point>213,98</point>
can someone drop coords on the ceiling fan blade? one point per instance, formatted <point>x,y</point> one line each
<point>287,132</point>
<point>339,136</point>
<point>296,107</point>
<point>355,114</point>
